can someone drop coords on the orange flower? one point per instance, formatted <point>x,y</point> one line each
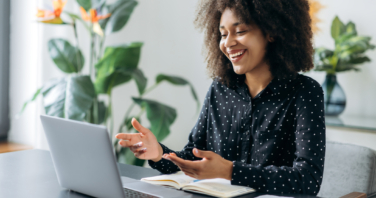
<point>94,17</point>
<point>58,7</point>
<point>52,16</point>
<point>314,8</point>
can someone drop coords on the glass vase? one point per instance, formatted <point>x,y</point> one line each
<point>334,96</point>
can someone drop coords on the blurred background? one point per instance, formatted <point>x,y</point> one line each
<point>171,46</point>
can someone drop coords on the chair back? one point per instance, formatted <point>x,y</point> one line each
<point>348,168</point>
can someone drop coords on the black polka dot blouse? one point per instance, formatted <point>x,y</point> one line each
<point>275,140</point>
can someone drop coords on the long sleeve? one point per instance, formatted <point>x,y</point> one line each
<point>196,139</point>
<point>305,175</point>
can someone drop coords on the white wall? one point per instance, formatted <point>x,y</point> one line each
<point>358,86</point>
<point>171,46</point>
<point>24,70</point>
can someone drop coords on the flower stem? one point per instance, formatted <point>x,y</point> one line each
<point>91,64</point>
<point>77,46</point>
<point>100,53</point>
<point>95,110</point>
<point>149,89</point>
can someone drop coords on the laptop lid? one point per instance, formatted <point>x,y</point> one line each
<point>83,157</point>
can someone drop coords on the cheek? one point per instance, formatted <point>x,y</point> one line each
<point>255,47</point>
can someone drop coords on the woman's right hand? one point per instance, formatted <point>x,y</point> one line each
<point>144,144</point>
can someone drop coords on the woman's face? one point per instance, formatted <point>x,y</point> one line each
<point>244,45</point>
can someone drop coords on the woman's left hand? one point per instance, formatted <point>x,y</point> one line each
<point>211,166</point>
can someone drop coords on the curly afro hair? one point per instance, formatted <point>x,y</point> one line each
<point>287,21</point>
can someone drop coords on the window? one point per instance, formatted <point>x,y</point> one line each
<point>4,68</point>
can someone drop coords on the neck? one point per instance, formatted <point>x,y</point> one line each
<point>258,79</point>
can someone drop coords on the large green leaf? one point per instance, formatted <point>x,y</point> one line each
<point>160,116</point>
<point>138,77</point>
<point>345,67</point>
<point>88,4</point>
<point>343,37</point>
<point>70,97</point>
<point>351,50</point>
<point>68,58</point>
<point>351,29</point>
<point>111,69</point>
<point>337,28</point>
<point>322,57</point>
<point>101,113</point>
<point>359,60</point>
<point>178,81</point>
<point>322,53</point>
<point>323,67</point>
<point>120,11</point>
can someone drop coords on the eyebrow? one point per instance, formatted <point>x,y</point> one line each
<point>235,24</point>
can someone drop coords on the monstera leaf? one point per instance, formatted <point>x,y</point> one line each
<point>101,114</point>
<point>119,65</point>
<point>159,115</point>
<point>120,11</point>
<point>88,4</point>
<point>175,80</point>
<point>70,97</point>
<point>68,58</point>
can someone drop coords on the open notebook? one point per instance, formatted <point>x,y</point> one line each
<point>215,187</point>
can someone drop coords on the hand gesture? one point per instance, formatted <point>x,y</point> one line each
<point>144,144</point>
<point>210,166</point>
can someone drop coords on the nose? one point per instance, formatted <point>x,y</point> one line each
<point>230,41</point>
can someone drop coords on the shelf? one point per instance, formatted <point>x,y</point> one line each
<point>352,122</point>
<point>10,147</point>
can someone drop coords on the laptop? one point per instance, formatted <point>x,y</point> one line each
<point>84,162</point>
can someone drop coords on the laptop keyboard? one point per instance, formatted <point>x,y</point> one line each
<point>136,194</point>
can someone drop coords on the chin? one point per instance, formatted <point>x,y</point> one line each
<point>238,70</point>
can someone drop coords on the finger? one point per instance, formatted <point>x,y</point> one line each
<point>139,127</point>
<point>135,150</point>
<point>180,162</point>
<point>140,153</point>
<point>125,136</point>
<point>127,143</point>
<point>202,154</point>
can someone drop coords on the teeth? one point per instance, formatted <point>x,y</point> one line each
<point>236,54</point>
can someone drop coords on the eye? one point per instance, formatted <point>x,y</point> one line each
<point>240,32</point>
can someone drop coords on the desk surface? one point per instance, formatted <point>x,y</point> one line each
<point>31,173</point>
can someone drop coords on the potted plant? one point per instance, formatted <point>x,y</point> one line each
<point>76,96</point>
<point>347,55</point>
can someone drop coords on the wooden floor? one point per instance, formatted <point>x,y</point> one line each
<point>10,147</point>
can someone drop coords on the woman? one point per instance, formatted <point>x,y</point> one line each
<point>262,124</point>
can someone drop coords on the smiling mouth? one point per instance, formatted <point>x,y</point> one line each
<point>237,56</point>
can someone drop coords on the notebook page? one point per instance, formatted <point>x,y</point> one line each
<point>219,186</point>
<point>178,177</point>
